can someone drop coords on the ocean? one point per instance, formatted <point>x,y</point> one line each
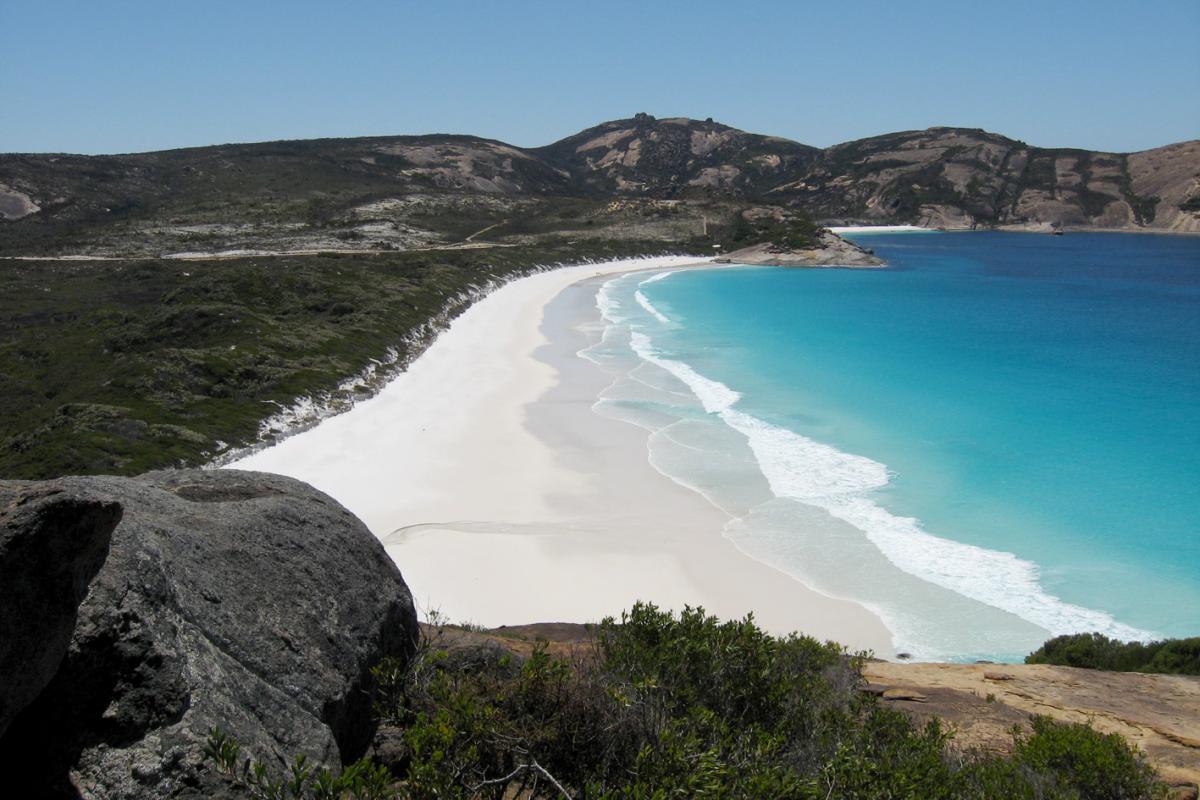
<point>994,441</point>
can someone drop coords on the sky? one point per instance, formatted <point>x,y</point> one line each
<point>127,75</point>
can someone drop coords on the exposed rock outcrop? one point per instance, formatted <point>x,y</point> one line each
<point>51,545</point>
<point>14,204</point>
<point>832,251</point>
<point>234,599</point>
<point>1160,714</point>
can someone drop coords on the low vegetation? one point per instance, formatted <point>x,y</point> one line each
<point>124,366</point>
<point>662,705</point>
<point>1096,651</point>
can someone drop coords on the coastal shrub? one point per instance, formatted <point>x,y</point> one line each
<point>217,350</point>
<point>661,705</point>
<point>1092,764</point>
<point>1096,651</point>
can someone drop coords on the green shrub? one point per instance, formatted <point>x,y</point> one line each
<point>663,706</point>
<point>1098,766</point>
<point>1096,651</point>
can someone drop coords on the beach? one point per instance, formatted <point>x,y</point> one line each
<point>843,230</point>
<point>505,499</point>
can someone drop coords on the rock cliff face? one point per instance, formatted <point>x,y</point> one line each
<point>52,543</point>
<point>241,600</point>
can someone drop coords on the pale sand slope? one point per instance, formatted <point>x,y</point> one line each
<point>844,229</point>
<point>505,499</point>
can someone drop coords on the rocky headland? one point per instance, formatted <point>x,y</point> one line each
<point>828,250</point>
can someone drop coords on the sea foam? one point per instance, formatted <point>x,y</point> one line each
<point>840,483</point>
<point>650,308</point>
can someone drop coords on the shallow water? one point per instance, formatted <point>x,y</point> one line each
<point>994,441</point>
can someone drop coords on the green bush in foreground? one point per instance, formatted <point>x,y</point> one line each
<point>665,706</point>
<point>1096,651</point>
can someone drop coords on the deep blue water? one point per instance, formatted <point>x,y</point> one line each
<point>1023,394</point>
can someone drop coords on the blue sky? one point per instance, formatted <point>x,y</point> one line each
<point>122,76</point>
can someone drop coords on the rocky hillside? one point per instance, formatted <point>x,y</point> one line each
<point>683,175</point>
<point>951,177</point>
<point>677,157</point>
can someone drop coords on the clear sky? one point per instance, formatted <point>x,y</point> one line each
<point>104,76</point>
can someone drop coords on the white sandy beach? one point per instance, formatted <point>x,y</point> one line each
<point>850,229</point>
<point>505,499</point>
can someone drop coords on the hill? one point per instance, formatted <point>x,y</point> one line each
<point>672,180</point>
<point>186,296</point>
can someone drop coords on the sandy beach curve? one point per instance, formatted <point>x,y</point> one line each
<point>505,499</point>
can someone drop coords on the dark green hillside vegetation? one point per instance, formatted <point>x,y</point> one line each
<point>662,706</point>
<point>124,366</point>
<point>1096,651</point>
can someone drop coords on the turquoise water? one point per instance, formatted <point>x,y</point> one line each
<point>995,440</point>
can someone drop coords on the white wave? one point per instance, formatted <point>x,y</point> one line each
<point>659,277</point>
<point>810,472</point>
<point>713,395</point>
<point>606,301</point>
<point>646,304</point>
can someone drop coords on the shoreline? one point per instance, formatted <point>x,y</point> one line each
<point>843,230</point>
<point>860,230</point>
<point>505,499</point>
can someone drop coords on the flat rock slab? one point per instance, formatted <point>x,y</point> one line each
<point>1160,714</point>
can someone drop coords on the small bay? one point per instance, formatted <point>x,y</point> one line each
<point>992,441</point>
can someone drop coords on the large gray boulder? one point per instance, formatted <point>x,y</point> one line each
<point>241,600</point>
<point>51,545</point>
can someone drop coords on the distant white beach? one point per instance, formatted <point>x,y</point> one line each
<point>859,229</point>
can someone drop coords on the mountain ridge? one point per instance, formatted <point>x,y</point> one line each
<point>937,177</point>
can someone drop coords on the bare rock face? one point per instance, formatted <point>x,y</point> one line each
<point>831,251</point>
<point>241,600</point>
<point>52,543</point>
<point>1159,714</point>
<point>15,205</point>
<point>1171,175</point>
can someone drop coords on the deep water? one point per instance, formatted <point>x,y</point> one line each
<point>995,440</point>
